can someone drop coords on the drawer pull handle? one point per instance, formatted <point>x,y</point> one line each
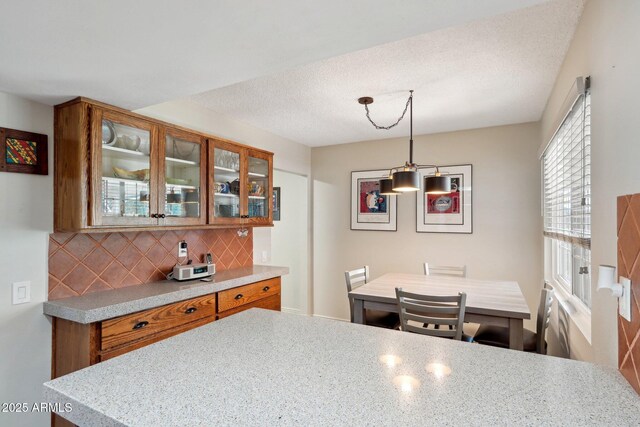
<point>266,288</point>
<point>140,325</point>
<point>191,310</point>
<point>239,296</point>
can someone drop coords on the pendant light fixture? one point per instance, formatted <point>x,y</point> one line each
<point>406,178</point>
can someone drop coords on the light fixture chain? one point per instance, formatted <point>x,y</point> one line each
<point>366,107</point>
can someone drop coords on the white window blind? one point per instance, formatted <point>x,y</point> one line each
<point>567,200</point>
<point>567,178</point>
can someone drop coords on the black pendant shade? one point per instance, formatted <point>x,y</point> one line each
<point>404,181</point>
<point>437,184</point>
<point>386,187</point>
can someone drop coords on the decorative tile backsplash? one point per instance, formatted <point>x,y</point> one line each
<point>82,263</point>
<point>629,266</point>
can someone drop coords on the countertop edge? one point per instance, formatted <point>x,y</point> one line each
<point>79,413</point>
<point>58,310</point>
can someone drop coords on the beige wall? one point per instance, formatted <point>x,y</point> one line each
<point>605,46</point>
<point>506,242</point>
<point>26,219</point>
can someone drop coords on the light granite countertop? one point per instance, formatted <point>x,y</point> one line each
<point>98,306</point>
<point>267,368</point>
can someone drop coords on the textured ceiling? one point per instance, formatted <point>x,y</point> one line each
<point>138,53</point>
<point>488,72</point>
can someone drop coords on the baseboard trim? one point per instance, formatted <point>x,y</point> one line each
<point>332,318</point>
<point>291,310</point>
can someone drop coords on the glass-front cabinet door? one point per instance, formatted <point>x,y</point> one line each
<point>259,192</point>
<point>124,164</point>
<point>183,179</point>
<point>226,190</point>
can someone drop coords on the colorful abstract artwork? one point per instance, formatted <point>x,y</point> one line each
<point>23,152</point>
<point>371,210</point>
<point>450,212</point>
<point>20,152</point>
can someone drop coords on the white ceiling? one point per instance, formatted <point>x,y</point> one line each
<point>494,71</point>
<point>137,53</point>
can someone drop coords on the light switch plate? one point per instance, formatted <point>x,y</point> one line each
<point>21,292</point>
<point>624,302</point>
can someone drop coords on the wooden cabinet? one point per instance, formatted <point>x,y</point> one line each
<point>239,185</point>
<point>136,326</point>
<point>117,170</point>
<point>265,294</point>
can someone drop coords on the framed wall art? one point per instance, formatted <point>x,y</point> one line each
<point>276,203</point>
<point>23,152</point>
<point>371,210</point>
<point>446,213</point>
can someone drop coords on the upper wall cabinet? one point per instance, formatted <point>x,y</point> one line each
<point>119,170</point>
<point>240,185</point>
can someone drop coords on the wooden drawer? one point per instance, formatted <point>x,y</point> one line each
<point>141,325</point>
<point>111,353</point>
<point>270,303</point>
<point>236,297</point>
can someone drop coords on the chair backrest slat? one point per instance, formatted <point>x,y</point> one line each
<point>542,322</point>
<point>442,333</point>
<point>354,279</point>
<point>432,310</point>
<point>445,270</point>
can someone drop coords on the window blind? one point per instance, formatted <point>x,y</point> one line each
<point>567,177</point>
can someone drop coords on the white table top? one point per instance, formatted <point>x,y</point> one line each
<point>488,297</point>
<point>268,368</point>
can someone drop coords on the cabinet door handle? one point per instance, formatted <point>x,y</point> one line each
<point>154,215</point>
<point>140,325</point>
<point>161,215</point>
<point>239,296</point>
<point>266,288</point>
<point>191,310</point>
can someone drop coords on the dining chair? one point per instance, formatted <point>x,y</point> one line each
<point>444,270</point>
<point>498,336</point>
<point>432,310</point>
<point>355,279</point>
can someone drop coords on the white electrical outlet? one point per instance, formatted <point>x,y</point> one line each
<point>624,302</point>
<point>21,292</point>
<point>265,256</point>
<point>182,249</point>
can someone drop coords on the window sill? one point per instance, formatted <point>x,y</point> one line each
<point>579,314</point>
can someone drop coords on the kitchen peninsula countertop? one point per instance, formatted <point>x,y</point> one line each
<point>268,368</point>
<point>98,306</point>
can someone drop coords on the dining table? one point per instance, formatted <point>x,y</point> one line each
<point>492,302</point>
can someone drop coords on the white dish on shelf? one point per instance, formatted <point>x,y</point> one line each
<point>108,133</point>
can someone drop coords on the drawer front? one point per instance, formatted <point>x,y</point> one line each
<point>110,354</point>
<point>269,303</point>
<point>236,297</point>
<point>136,326</point>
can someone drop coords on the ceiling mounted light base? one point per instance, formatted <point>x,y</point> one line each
<point>365,100</point>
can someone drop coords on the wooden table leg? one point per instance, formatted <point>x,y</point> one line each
<point>516,332</point>
<point>359,312</point>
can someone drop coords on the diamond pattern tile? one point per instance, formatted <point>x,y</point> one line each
<point>629,266</point>
<point>80,245</point>
<point>144,242</point>
<point>114,243</point>
<point>83,263</point>
<point>98,260</point>
<point>79,279</point>
<point>61,263</point>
